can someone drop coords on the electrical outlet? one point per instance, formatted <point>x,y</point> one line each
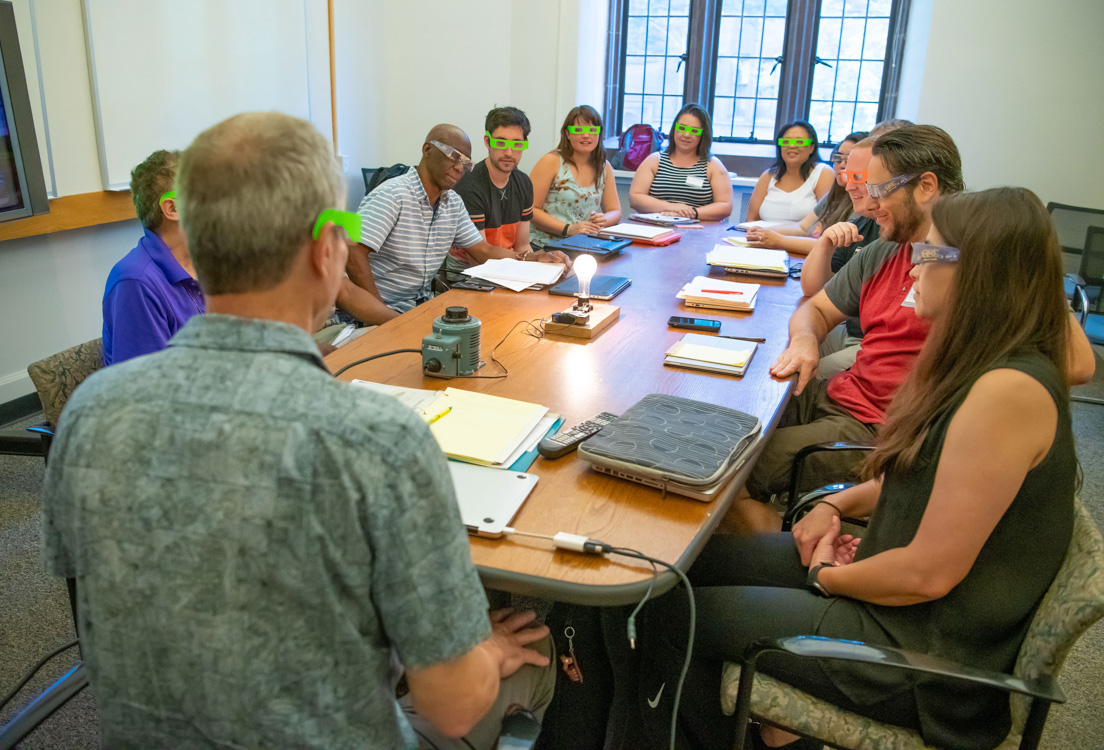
<point>346,165</point>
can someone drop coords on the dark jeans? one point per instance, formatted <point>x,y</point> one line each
<point>746,588</point>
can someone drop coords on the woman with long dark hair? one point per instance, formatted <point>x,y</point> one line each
<point>685,179</point>
<point>790,189</point>
<point>573,186</point>
<point>970,495</point>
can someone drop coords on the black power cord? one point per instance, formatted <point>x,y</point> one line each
<point>377,356</point>
<point>37,667</point>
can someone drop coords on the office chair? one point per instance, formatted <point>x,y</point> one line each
<point>1071,223</point>
<point>373,177</point>
<point>1091,272</point>
<point>1074,601</point>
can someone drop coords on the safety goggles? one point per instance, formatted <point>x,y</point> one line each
<point>795,142</point>
<point>885,189</point>
<point>922,252</point>
<point>347,220</point>
<point>502,143</point>
<point>454,156</point>
<point>169,195</point>
<point>680,128</point>
<point>584,129</point>
<point>856,176</point>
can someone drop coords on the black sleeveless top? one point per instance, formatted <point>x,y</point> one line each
<point>688,185</point>
<point>983,620</point>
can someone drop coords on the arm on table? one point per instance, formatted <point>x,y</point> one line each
<point>1003,429</point>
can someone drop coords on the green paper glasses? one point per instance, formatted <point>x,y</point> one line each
<point>584,129</point>
<point>795,142</point>
<point>347,220</point>
<point>167,196</point>
<point>502,143</point>
<point>680,128</point>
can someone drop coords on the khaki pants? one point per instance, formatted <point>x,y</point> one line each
<point>530,688</point>
<point>809,418</point>
<point>837,352</point>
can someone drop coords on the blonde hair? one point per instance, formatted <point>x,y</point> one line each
<point>249,191</point>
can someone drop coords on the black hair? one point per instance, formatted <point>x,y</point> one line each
<point>779,167</point>
<point>706,142</point>
<point>504,117</point>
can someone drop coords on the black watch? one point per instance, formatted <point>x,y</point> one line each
<point>812,581</point>
<point>566,229</point>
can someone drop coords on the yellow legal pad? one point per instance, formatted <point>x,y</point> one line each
<point>479,428</point>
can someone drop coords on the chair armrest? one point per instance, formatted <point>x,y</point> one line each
<point>810,499</point>
<point>1043,688</point>
<point>798,465</point>
<point>19,443</point>
<point>42,707</point>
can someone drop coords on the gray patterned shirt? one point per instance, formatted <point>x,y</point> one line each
<point>257,546</point>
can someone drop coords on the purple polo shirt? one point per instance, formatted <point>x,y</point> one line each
<point>149,297</point>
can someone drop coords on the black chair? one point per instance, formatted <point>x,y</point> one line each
<point>1071,223</point>
<point>374,176</point>
<point>1092,271</point>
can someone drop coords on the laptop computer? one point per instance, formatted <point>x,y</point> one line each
<point>489,498</point>
<point>584,243</point>
<point>601,287</point>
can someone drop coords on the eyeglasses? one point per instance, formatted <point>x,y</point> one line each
<point>795,142</point>
<point>454,156</point>
<point>857,176</point>
<point>347,220</point>
<point>884,189</point>
<point>584,129</point>
<point>502,143</point>
<point>839,158</point>
<point>169,195</point>
<point>680,128</point>
<point>922,252</point>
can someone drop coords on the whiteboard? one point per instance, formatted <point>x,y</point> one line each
<point>164,70</point>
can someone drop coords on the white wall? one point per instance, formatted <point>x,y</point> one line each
<point>1019,85</point>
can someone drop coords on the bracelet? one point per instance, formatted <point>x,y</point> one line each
<point>833,506</point>
<point>695,211</point>
<point>566,229</point>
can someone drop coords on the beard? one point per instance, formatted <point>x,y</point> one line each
<point>907,223</point>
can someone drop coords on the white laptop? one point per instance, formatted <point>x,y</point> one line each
<point>489,498</point>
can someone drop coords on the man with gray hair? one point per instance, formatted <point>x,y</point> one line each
<point>257,546</point>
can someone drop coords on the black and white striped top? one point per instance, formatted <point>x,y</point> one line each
<point>689,185</point>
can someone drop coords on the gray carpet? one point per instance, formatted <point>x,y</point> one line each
<point>35,617</point>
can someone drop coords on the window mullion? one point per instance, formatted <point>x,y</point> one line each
<point>705,18</point>
<point>615,64</point>
<point>795,86</point>
<point>891,71</point>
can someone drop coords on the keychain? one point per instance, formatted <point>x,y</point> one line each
<point>569,662</point>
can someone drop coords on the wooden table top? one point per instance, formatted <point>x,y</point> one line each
<point>578,379</point>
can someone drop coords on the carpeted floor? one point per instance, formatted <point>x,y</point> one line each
<point>35,616</point>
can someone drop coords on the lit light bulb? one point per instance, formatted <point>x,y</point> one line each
<point>585,266</point>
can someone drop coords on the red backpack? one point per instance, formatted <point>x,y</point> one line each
<point>637,144</point>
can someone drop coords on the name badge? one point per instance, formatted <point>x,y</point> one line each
<point>695,181</point>
<point>910,298</point>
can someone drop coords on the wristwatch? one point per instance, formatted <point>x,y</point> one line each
<point>812,581</point>
<point>566,229</point>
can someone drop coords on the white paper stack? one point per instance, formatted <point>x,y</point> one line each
<point>750,260</point>
<point>634,231</point>
<point>517,274</point>
<point>700,352</point>
<point>762,224</point>
<point>719,294</point>
<point>663,220</point>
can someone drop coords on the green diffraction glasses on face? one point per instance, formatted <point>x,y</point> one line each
<point>795,142</point>
<point>922,252</point>
<point>502,143</point>
<point>347,220</point>
<point>680,128</point>
<point>584,129</point>
<point>167,196</point>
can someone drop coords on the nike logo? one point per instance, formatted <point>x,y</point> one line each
<point>653,702</point>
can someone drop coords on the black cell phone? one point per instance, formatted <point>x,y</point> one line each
<point>473,285</point>
<point>695,324</point>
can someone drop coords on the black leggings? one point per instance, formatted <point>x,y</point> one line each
<point>746,588</point>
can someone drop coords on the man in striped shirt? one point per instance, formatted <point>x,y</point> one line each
<point>408,225</point>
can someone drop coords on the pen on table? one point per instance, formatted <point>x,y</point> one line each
<point>721,291</point>
<point>743,338</point>
<point>434,419</point>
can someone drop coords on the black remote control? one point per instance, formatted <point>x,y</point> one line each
<point>565,441</point>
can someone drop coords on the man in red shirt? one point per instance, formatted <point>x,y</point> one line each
<point>909,170</point>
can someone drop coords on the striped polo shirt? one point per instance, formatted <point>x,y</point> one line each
<point>686,185</point>
<point>410,238</point>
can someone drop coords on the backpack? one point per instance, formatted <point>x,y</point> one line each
<point>636,144</point>
<point>373,178</point>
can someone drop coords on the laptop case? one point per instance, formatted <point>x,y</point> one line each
<point>601,287</point>
<point>667,441</point>
<point>584,243</point>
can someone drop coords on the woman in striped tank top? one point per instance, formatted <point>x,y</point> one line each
<point>684,180</point>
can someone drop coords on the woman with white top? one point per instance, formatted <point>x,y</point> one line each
<point>790,189</point>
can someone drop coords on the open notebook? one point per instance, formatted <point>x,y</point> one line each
<point>700,352</point>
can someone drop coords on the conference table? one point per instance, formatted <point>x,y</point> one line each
<point>578,378</point>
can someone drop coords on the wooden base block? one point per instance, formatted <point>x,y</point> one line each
<point>601,318</point>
